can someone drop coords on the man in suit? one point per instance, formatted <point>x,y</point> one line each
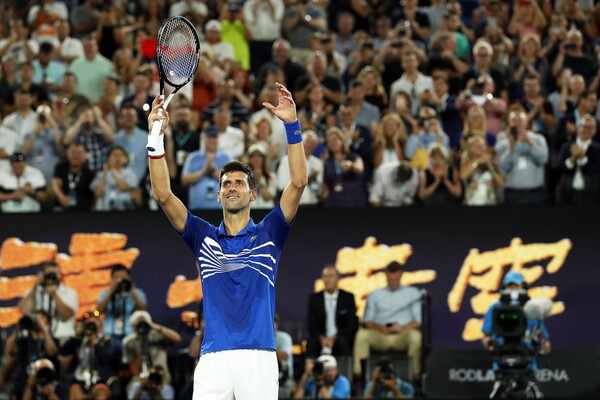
<point>332,321</point>
<point>579,162</point>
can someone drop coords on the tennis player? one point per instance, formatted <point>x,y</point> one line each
<point>238,266</point>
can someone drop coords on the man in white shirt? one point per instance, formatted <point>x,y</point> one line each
<point>412,82</point>
<point>395,185</point>
<point>66,48</point>
<point>18,46</point>
<point>9,140</point>
<point>231,139</point>
<point>579,163</point>
<point>22,187</point>
<point>41,19</point>
<point>314,189</point>
<point>263,19</point>
<point>23,119</point>
<point>59,301</point>
<point>212,41</point>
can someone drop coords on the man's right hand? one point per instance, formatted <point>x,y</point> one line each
<point>155,116</point>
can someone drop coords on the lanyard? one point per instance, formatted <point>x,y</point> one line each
<point>73,180</point>
<point>181,142</point>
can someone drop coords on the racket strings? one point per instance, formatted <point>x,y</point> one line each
<point>178,51</point>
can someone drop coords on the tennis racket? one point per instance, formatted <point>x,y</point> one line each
<point>178,53</point>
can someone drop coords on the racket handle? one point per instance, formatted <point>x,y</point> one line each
<point>154,135</point>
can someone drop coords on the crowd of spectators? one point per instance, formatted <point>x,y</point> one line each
<point>417,102</point>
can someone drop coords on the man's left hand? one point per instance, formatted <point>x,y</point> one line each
<point>286,109</point>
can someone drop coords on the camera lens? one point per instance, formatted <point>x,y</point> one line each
<point>143,328</point>
<point>44,376</point>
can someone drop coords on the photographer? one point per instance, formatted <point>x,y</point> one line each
<point>86,358</point>
<point>385,384</point>
<point>152,386</point>
<point>30,341</point>
<point>118,302</point>
<point>146,346</point>
<point>41,381</point>
<point>428,131</point>
<point>51,296</point>
<point>321,380</point>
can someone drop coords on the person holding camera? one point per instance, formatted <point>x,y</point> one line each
<point>522,155</point>
<point>151,386</point>
<point>29,342</point>
<point>429,131</point>
<point>322,380</point>
<point>145,348</point>
<point>118,302</point>
<point>41,381</point>
<point>85,359</point>
<point>51,296</point>
<point>385,384</point>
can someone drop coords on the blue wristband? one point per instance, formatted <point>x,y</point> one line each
<point>293,130</point>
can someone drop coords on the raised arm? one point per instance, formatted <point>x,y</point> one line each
<point>159,173</point>
<point>286,111</point>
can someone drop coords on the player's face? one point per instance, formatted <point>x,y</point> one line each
<point>235,194</point>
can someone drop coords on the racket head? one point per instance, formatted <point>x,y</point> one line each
<point>177,52</point>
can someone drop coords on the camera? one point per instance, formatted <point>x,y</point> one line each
<point>143,328</point>
<point>124,285</point>
<point>386,373</point>
<point>514,132</point>
<point>50,278</point>
<point>44,376</point>
<point>42,118</point>
<point>398,44</point>
<point>155,379</point>
<point>318,368</point>
<point>90,329</point>
<point>424,122</point>
<point>478,88</point>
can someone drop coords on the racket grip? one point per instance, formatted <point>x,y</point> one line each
<point>154,135</point>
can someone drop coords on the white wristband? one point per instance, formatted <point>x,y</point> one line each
<point>159,149</point>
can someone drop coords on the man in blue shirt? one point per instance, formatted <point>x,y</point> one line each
<point>391,322</point>
<point>201,172</point>
<point>132,139</point>
<point>322,380</point>
<point>238,264</point>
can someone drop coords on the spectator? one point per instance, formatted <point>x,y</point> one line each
<point>490,12</point>
<point>436,13</point>
<point>527,63</point>
<point>85,358</point>
<point>115,187</point>
<point>385,384</point>
<point>84,18</point>
<point>227,101</point>
<point>439,184</point>
<point>91,69</point>
<point>344,173</point>
<point>126,67</point>
<point>383,25</point>
<point>316,74</point>
<point>302,20</point>
<point>196,11</point>
<point>9,140</point>
<point>395,184</point>
<point>316,107</point>
<point>566,131</point>
<point>151,387</point>
<point>41,18</point>
<point>313,190</point>
<point>321,379</point>
<point>475,125</point>
<point>231,139</point>
<point>444,104</point>
<point>201,172</point>
<point>285,360</point>
<point>344,38</point>
<point>412,82</point>
<point>555,35</point>
<point>43,389</point>
<point>266,179</point>
<point>373,88</point>
<point>479,173</point>
<point>428,132</point>
<point>357,137</point>
<point>332,321</point>
<point>43,145</point>
<point>109,100</point>
<point>263,20</point>
<point>442,51</point>
<point>223,51</point>
<point>23,120</point>
<point>454,24</point>
<point>146,346</point>
<point>479,92</point>
<point>8,80</point>
<point>336,61</point>
<point>66,48</point>
<point>483,51</point>
<point>527,18</point>
<point>539,110</point>
<point>579,163</point>
<point>39,94</point>
<point>118,303</point>
<point>235,32</point>
<point>22,187</point>
<point>389,140</point>
<point>391,321</point>
<point>70,100</point>
<point>47,72</point>
<point>72,179</point>
<point>419,21</point>
<point>522,155</point>
<point>281,59</point>
<point>58,301</point>
<point>95,133</point>
<point>365,113</point>
<point>571,55</point>
<point>18,46</point>
<point>575,16</point>
<point>133,140</point>
<point>141,99</point>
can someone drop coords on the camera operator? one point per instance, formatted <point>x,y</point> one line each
<point>151,386</point>
<point>428,131</point>
<point>85,358</point>
<point>29,342</point>
<point>321,380</point>
<point>117,303</point>
<point>41,381</point>
<point>385,384</point>
<point>146,346</point>
<point>59,301</point>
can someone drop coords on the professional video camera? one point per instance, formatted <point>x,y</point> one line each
<point>516,344</point>
<point>44,376</point>
<point>143,328</point>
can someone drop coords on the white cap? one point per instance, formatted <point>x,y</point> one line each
<point>328,361</point>
<point>213,24</point>
<point>139,316</point>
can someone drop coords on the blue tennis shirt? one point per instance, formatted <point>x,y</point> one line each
<point>238,280</point>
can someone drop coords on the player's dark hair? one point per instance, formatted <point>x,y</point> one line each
<point>238,166</point>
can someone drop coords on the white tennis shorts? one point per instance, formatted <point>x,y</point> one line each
<point>237,374</point>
